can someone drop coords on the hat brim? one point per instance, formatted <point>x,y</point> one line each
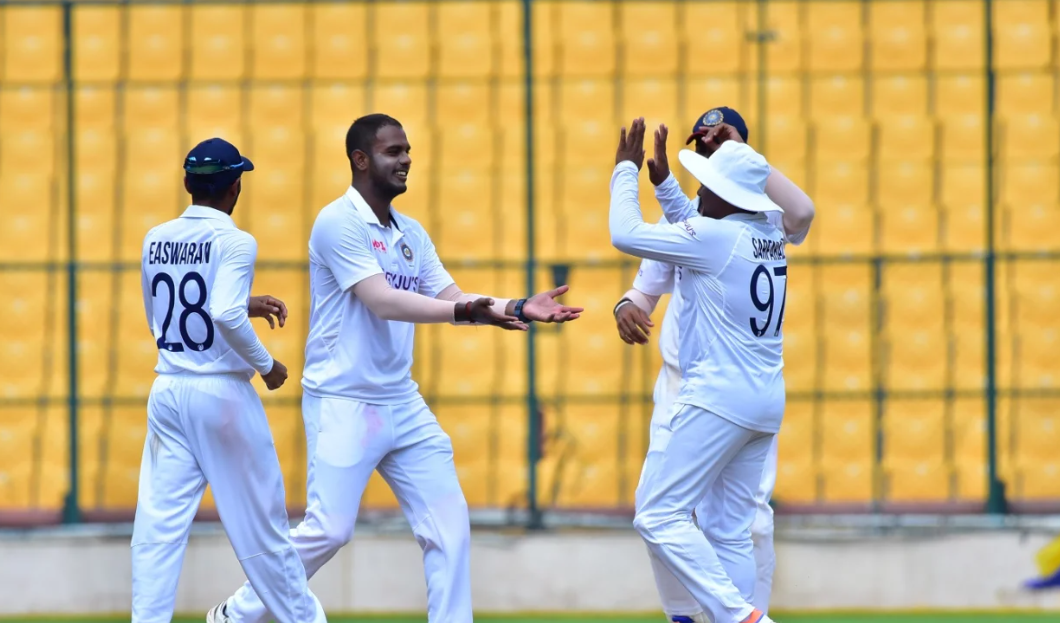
<point>247,165</point>
<point>706,174</point>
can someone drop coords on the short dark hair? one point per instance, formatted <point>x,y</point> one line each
<point>363,131</point>
<point>211,187</point>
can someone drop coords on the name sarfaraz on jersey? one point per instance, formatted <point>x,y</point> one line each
<point>768,249</point>
<point>178,253</point>
<point>403,282</point>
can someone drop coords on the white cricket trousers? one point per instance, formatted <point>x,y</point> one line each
<point>346,441</point>
<point>212,429</point>
<point>695,454</point>
<point>755,584</point>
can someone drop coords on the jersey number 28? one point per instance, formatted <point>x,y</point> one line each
<point>770,302</point>
<point>190,307</point>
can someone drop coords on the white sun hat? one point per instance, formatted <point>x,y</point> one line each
<point>736,173</point>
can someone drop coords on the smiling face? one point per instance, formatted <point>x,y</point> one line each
<point>389,162</point>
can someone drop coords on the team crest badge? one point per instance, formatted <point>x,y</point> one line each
<point>713,118</point>
<point>406,251</point>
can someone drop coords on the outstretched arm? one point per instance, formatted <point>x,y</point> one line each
<point>541,307</point>
<point>391,304</point>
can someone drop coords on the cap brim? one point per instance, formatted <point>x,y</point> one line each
<point>247,165</point>
<point>704,172</point>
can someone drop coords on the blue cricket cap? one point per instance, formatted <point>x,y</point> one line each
<point>214,156</point>
<point>715,117</point>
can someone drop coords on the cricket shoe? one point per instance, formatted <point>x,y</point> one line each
<point>218,614</point>
<point>757,616</point>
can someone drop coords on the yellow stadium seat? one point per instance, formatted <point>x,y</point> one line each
<point>28,108</point>
<point>288,434</point>
<point>220,34</point>
<point>24,333</point>
<point>915,359</point>
<point>798,433</point>
<point>593,351</point>
<point>899,95</point>
<point>1029,227</point>
<point>703,94</point>
<point>961,94</point>
<point>797,482</point>
<point>845,228</point>
<point>138,354</point>
<point>584,232</point>
<point>466,197</point>
<point>1022,36</point>
<point>97,43</point>
<point>957,29</point>
<point>786,138</point>
<point>1038,481</point>
<point>1036,366</point>
<point>467,361</point>
<point>917,481</point>
<point>33,44</point>
<point>838,95</point>
<point>333,107</point>
<point>714,34</point>
<point>893,138</point>
<point>31,151</point>
<point>279,149</point>
<point>466,135</point>
<point>908,218</point>
<point>593,431</point>
<point>95,318</point>
<point>469,426</point>
<point>340,41</point>
<point>27,200</point>
<point>800,335</point>
<point>914,431</point>
<point>962,206</point>
<point>510,483</point>
<point>276,216</point>
<point>969,430</point>
<point>649,38</point>
<point>897,35</point>
<point>126,429</point>
<point>913,294</point>
<point>656,101</point>
<point>587,114</point>
<point>842,138</point>
<point>840,182</point>
<point>587,39</point>
<point>401,39</point>
<point>278,45</point>
<point>275,105</point>
<point>847,482</point>
<point>151,197</point>
<point>95,205</point>
<point>17,434</point>
<point>1025,93</point>
<point>152,138</point>
<point>1029,194</point>
<point>466,48</point>
<point>406,102</point>
<point>543,43</point>
<point>214,111</point>
<point>156,40</point>
<point>845,309</point>
<point>971,479</point>
<point>784,49</point>
<point>589,485</point>
<point>837,42</point>
<point>1037,433</point>
<point>1030,137</point>
<point>963,138</point>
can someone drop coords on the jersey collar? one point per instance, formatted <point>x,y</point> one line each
<point>366,211</point>
<point>194,211</point>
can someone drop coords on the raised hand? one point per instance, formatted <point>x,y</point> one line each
<point>659,165</point>
<point>633,324</point>
<point>717,135</point>
<point>266,307</point>
<point>631,145</point>
<point>480,311</point>
<point>543,307</point>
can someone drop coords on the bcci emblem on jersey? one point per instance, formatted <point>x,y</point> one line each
<point>406,251</point>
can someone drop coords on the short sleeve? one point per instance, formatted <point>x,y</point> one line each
<point>433,276</point>
<point>654,278</point>
<point>345,249</point>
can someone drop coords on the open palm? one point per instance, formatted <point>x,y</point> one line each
<point>543,307</point>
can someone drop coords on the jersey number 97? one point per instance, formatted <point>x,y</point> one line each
<point>767,306</point>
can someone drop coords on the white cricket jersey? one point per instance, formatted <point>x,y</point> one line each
<point>196,274</point>
<point>351,352</point>
<point>658,278</point>
<point>732,289</point>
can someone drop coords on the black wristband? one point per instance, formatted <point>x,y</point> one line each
<point>620,303</point>
<point>518,311</point>
<point>462,313</point>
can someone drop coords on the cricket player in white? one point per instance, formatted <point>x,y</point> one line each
<point>205,422</point>
<point>632,314</point>
<point>373,273</point>
<point>714,441</point>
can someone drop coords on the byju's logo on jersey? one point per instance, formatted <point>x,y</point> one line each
<point>406,251</point>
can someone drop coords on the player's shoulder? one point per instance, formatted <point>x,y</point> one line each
<point>408,225</point>
<point>338,215</point>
